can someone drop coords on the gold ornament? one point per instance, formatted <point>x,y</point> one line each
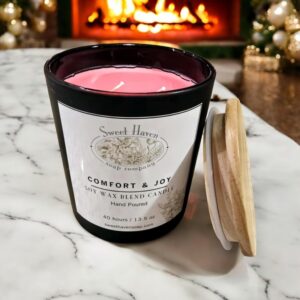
<point>24,24</point>
<point>280,39</point>
<point>48,5</point>
<point>294,46</point>
<point>10,11</point>
<point>260,62</point>
<point>15,27</point>
<point>257,26</point>
<point>287,4</point>
<point>292,22</point>
<point>7,41</point>
<point>39,24</point>
<point>268,49</point>
<point>252,50</point>
<point>258,37</point>
<point>277,13</point>
<point>271,28</point>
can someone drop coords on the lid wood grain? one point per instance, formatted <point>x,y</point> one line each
<point>232,179</point>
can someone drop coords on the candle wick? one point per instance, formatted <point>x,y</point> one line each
<point>163,88</point>
<point>118,86</point>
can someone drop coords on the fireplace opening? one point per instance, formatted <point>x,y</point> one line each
<point>158,20</point>
<point>144,16</point>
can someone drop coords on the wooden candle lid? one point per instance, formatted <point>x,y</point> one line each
<point>226,150</point>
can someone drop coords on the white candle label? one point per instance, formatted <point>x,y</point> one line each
<point>129,174</point>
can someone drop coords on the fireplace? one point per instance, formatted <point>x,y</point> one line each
<point>183,21</point>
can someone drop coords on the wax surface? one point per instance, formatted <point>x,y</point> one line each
<point>130,80</point>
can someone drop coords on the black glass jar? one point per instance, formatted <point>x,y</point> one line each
<point>114,196</point>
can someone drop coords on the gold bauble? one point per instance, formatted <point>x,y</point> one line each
<point>252,50</point>
<point>271,28</point>
<point>294,46</point>
<point>24,24</point>
<point>10,11</point>
<point>257,37</point>
<point>7,41</point>
<point>39,24</point>
<point>287,4</point>
<point>48,5</point>
<point>277,13</point>
<point>268,49</point>
<point>15,27</point>
<point>292,22</point>
<point>257,26</point>
<point>280,39</point>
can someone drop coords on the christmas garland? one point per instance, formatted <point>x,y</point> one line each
<point>275,40</point>
<point>21,20</point>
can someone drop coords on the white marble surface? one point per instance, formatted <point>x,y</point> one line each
<point>45,254</point>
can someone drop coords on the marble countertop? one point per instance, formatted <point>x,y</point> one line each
<point>45,254</point>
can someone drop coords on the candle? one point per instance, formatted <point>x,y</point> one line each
<point>129,120</point>
<point>130,79</point>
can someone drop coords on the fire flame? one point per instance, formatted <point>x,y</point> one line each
<point>137,15</point>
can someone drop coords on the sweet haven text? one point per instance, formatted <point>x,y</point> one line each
<point>134,131</point>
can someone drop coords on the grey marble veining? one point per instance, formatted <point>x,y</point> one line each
<point>45,254</point>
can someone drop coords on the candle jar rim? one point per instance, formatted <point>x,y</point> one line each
<point>48,69</point>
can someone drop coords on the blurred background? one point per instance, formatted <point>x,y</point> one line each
<point>254,45</point>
